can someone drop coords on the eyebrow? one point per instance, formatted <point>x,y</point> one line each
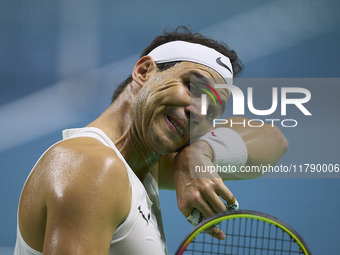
<point>198,75</point>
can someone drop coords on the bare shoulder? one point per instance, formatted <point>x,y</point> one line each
<point>86,167</point>
<point>79,188</point>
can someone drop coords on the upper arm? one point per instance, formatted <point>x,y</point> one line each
<point>265,144</point>
<point>86,204</point>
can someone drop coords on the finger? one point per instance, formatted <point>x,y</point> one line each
<point>205,208</point>
<point>202,211</point>
<point>216,232</point>
<point>208,188</point>
<point>187,210</point>
<point>197,217</point>
<point>188,203</point>
<point>226,194</point>
<point>215,202</point>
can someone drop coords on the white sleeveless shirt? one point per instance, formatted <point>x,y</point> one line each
<point>142,231</point>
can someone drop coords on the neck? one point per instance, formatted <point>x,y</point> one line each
<point>139,158</point>
<point>116,122</point>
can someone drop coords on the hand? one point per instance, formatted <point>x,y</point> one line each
<point>201,190</point>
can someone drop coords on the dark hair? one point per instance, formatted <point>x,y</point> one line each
<point>182,33</point>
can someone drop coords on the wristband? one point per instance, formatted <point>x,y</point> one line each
<point>228,147</point>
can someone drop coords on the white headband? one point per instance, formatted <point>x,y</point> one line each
<point>193,52</point>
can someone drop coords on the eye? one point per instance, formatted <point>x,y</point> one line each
<point>210,112</point>
<point>191,87</point>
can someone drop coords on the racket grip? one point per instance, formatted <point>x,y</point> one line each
<point>196,217</point>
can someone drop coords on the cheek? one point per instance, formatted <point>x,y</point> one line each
<point>177,95</point>
<point>146,105</point>
<point>139,105</point>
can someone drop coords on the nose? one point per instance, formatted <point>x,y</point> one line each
<point>193,112</point>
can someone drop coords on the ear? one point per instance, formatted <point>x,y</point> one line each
<point>143,70</point>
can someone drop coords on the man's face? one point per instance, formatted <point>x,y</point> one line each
<point>167,110</point>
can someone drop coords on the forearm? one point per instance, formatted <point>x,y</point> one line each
<point>265,145</point>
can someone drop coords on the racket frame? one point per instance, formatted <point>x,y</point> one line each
<point>248,214</point>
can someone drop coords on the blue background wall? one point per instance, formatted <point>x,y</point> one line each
<point>61,60</point>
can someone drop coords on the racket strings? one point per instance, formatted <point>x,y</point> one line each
<point>245,236</point>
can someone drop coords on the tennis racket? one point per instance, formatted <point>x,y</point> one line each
<point>247,232</point>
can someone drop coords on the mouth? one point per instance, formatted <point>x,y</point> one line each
<point>177,126</point>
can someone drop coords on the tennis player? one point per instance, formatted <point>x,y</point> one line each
<point>96,191</point>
